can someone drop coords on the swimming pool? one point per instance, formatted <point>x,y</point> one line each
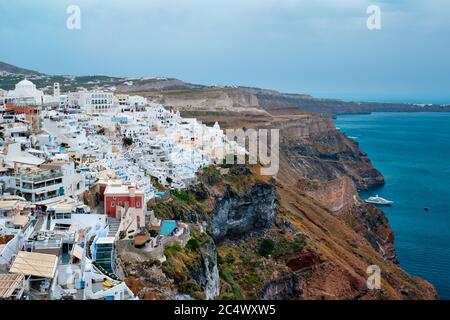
<point>167,227</point>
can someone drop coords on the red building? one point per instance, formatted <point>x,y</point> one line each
<point>32,114</point>
<point>26,109</point>
<point>116,194</point>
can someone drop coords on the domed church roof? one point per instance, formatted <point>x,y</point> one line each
<point>25,84</point>
<point>26,89</point>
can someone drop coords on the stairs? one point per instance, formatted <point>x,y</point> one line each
<point>114,225</point>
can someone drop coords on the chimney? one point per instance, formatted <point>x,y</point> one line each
<point>132,195</point>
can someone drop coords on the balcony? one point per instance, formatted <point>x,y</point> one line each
<point>39,177</point>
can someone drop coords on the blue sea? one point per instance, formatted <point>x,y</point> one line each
<point>412,151</point>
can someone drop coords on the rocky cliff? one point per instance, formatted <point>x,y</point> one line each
<point>208,99</point>
<point>237,214</point>
<point>206,274</point>
<point>329,167</point>
<point>229,203</point>
<point>276,102</point>
<point>318,151</point>
<point>303,234</point>
<point>288,238</point>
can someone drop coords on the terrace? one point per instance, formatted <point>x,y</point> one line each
<point>39,176</point>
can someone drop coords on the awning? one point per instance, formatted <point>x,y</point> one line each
<point>35,264</point>
<point>10,283</point>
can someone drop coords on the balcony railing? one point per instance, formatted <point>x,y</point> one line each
<point>39,177</point>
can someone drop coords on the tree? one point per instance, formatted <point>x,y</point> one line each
<point>266,247</point>
<point>193,245</point>
<point>127,141</point>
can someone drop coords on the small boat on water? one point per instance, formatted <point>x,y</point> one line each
<point>379,200</point>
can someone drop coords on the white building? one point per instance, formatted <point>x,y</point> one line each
<point>131,103</point>
<point>137,101</point>
<point>25,92</point>
<point>73,182</point>
<point>63,100</point>
<point>56,90</point>
<point>92,102</point>
<point>2,97</point>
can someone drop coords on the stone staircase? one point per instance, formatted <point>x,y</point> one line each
<point>114,225</point>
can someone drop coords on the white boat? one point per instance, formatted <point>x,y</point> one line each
<point>379,200</point>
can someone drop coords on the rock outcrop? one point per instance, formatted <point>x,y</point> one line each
<point>305,234</point>
<point>282,288</point>
<point>206,274</point>
<point>208,99</point>
<point>327,154</point>
<point>237,214</point>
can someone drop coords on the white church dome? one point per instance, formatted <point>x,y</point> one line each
<point>26,89</point>
<point>25,84</point>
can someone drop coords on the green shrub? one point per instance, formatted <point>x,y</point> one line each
<point>183,196</point>
<point>153,233</point>
<point>189,287</point>
<point>227,276</point>
<point>193,245</point>
<point>168,268</point>
<point>286,249</point>
<point>266,247</point>
<point>172,250</point>
<point>245,259</point>
<point>229,258</point>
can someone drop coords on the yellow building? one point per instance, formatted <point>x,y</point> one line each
<point>122,99</point>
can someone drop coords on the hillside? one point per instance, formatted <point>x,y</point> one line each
<point>8,68</point>
<point>300,235</point>
<point>190,97</point>
<point>279,103</point>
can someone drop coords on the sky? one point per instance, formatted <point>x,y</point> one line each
<point>319,47</point>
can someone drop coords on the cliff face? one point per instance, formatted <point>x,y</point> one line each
<point>206,272</point>
<point>317,182</point>
<point>304,234</point>
<point>230,205</point>
<point>273,101</point>
<point>329,168</point>
<point>208,99</point>
<point>318,151</point>
<point>341,198</point>
<point>237,214</point>
<point>288,238</point>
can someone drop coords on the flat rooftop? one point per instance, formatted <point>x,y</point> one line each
<point>120,189</point>
<point>35,264</point>
<point>105,240</point>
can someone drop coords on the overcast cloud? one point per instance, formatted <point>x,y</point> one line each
<point>320,47</point>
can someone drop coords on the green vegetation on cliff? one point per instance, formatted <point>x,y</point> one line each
<point>182,263</point>
<point>246,267</point>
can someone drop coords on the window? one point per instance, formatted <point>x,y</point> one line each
<point>113,204</point>
<point>138,204</point>
<point>119,203</point>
